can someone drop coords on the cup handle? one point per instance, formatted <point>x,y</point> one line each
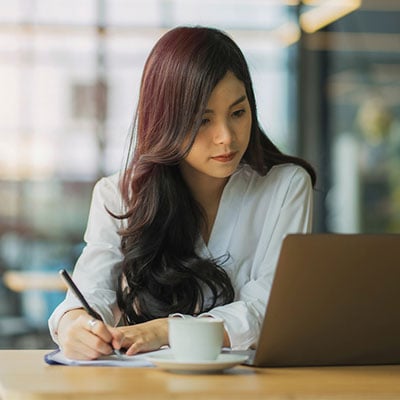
<point>179,315</point>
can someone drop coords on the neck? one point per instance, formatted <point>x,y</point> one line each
<point>211,195</point>
<point>209,199</point>
<point>207,191</point>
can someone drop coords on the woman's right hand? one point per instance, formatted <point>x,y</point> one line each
<point>82,338</point>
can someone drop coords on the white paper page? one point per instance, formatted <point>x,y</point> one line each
<point>138,360</point>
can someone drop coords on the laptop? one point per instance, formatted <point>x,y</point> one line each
<point>335,300</point>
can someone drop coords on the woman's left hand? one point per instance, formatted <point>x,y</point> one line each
<point>146,336</point>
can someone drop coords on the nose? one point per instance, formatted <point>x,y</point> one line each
<point>223,133</point>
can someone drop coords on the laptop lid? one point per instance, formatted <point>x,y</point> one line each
<point>335,300</point>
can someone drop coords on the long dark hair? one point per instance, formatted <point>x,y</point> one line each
<point>161,272</point>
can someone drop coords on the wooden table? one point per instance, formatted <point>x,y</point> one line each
<point>24,375</point>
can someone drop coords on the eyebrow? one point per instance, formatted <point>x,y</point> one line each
<point>239,100</point>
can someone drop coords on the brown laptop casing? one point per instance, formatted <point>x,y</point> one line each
<point>335,300</point>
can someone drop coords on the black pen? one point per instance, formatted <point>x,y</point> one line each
<point>70,283</point>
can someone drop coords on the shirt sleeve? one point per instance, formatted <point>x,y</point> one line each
<point>243,318</point>
<point>96,271</point>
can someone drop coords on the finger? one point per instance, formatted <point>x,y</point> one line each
<point>93,336</point>
<point>82,346</point>
<point>128,341</point>
<point>135,348</point>
<point>99,329</point>
<point>118,337</point>
<point>83,353</point>
<point>106,333</point>
<point>141,344</point>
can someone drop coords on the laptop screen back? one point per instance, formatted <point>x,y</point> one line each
<point>335,300</point>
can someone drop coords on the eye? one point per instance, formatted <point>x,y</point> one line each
<point>238,113</point>
<point>204,121</point>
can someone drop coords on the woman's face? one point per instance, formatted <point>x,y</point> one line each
<point>224,133</point>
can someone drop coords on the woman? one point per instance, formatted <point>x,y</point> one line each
<point>195,222</point>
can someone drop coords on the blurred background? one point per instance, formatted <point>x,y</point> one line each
<point>326,75</point>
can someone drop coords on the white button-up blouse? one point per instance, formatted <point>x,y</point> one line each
<point>254,215</point>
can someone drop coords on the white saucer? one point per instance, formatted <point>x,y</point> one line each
<point>224,361</point>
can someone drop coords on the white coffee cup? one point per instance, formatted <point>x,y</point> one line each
<point>195,339</point>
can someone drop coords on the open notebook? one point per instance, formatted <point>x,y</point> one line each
<point>140,360</point>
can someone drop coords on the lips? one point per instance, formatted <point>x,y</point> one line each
<point>225,157</point>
